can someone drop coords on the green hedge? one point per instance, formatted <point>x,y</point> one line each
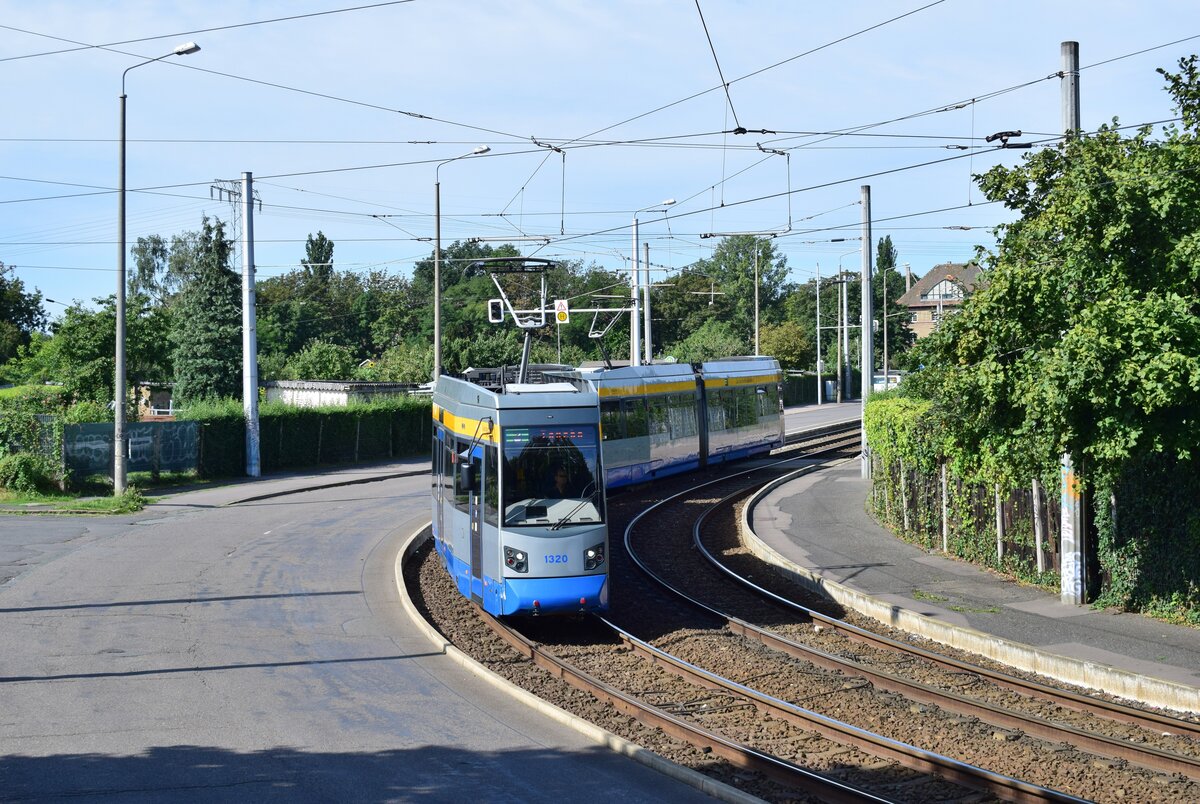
<point>1147,523</point>
<point>1150,544</point>
<point>295,438</point>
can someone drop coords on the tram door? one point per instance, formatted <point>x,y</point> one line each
<point>475,507</point>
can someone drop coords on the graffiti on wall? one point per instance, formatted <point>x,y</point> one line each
<point>153,447</point>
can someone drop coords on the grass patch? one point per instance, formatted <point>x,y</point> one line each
<point>971,610</point>
<point>131,501</point>
<point>930,596</point>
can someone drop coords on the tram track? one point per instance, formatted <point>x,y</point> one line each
<point>773,680</point>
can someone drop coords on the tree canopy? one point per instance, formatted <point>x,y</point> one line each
<point>1085,335</point>
<point>20,313</point>
<point>207,338</point>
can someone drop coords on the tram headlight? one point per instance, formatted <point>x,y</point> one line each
<point>516,560</point>
<point>593,557</point>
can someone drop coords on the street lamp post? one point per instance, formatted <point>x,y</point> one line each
<point>844,333</point>
<point>437,259</point>
<point>119,379</point>
<point>757,350</point>
<point>634,333</point>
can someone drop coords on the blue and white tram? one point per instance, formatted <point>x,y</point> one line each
<point>662,419</point>
<point>519,497</point>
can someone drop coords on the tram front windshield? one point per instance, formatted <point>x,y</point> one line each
<point>550,476</point>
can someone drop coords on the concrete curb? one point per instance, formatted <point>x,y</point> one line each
<point>711,787</point>
<point>1093,675</point>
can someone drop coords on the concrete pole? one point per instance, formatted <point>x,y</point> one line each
<point>867,359</point>
<point>437,279</point>
<point>635,335</point>
<point>119,471</point>
<point>820,384</point>
<point>1070,87</point>
<point>1073,569</point>
<point>845,353</point>
<point>757,349</point>
<point>841,382</point>
<point>647,337</point>
<point>249,332</point>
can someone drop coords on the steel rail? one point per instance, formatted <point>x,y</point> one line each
<point>742,756</point>
<point>1117,712</point>
<point>869,742</point>
<point>911,756</point>
<point>1145,756</point>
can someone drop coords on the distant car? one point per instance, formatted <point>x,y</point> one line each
<point>893,381</point>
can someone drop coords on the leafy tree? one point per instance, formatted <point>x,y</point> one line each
<point>158,271</point>
<point>321,360</point>
<point>81,352</point>
<point>21,313</point>
<point>714,339</point>
<point>899,335</point>
<point>405,362</point>
<point>789,343</point>
<point>317,265</point>
<point>1086,334</point>
<point>732,267</point>
<point>207,335</point>
<point>691,299</point>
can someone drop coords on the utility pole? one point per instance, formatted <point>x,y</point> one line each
<point>249,332</point>
<point>646,336</point>
<point>867,360</point>
<point>841,385</point>
<point>757,350</point>
<point>1073,528</point>
<point>844,368</point>
<point>820,385</point>
<point>635,334</point>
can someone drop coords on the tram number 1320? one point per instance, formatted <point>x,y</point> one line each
<point>556,558</point>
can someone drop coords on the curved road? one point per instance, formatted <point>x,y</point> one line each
<point>204,652</point>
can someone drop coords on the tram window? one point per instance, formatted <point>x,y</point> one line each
<point>683,415</point>
<point>448,466</point>
<point>465,483</point>
<point>491,490</point>
<point>768,400</point>
<point>747,406</point>
<point>722,410</point>
<point>435,469</point>
<point>612,425</point>
<point>535,458</point>
<point>636,425</point>
<point>659,423</point>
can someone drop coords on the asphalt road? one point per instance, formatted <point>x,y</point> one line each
<point>256,652</point>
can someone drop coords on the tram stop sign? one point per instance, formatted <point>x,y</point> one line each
<point>562,312</point>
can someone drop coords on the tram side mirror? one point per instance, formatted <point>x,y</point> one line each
<point>467,475</point>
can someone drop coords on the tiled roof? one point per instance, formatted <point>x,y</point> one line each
<point>966,274</point>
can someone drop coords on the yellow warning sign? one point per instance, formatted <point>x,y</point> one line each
<point>562,311</point>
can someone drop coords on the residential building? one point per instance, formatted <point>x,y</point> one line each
<point>940,290</point>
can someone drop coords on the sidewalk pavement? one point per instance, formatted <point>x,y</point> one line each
<point>230,491</point>
<point>250,489</point>
<point>818,528</point>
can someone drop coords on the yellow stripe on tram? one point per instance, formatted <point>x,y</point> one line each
<point>724,382</point>
<point>466,426</point>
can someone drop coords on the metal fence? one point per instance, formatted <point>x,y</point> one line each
<point>153,447</point>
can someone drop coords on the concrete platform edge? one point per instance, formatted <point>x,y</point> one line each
<point>1094,675</point>
<point>705,784</point>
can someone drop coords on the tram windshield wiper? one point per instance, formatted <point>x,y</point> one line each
<point>587,498</point>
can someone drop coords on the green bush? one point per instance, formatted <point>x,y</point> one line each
<point>28,473</point>
<point>87,412</point>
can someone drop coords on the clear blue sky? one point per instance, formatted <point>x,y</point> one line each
<point>343,117</point>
